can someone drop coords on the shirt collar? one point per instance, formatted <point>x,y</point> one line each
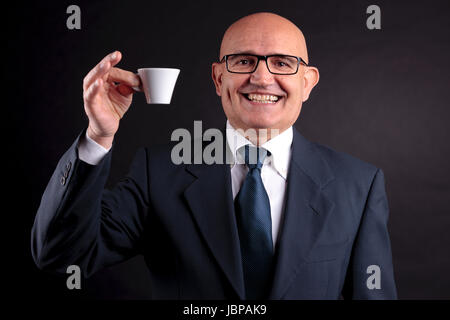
<point>279,147</point>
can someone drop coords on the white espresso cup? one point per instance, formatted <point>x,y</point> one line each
<point>158,84</point>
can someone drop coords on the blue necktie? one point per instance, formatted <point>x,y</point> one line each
<point>255,227</point>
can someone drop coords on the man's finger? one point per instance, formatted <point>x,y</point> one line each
<point>102,68</point>
<point>93,90</point>
<point>124,77</point>
<point>115,58</point>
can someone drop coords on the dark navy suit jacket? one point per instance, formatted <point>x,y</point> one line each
<point>181,219</point>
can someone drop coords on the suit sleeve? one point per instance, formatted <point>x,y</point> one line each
<point>371,274</point>
<point>79,222</point>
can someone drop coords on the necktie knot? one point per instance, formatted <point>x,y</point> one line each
<point>254,157</point>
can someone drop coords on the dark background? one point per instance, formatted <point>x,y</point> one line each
<point>382,97</point>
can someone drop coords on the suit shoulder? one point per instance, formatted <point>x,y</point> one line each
<point>344,164</point>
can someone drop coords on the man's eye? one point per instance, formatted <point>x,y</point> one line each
<point>243,61</point>
<point>283,64</point>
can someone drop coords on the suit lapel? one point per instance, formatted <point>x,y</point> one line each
<point>210,200</point>
<point>306,211</point>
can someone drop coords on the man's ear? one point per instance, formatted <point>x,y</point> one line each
<point>311,78</point>
<point>216,73</point>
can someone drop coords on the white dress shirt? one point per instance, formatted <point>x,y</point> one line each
<point>273,172</point>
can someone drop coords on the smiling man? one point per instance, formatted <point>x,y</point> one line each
<point>287,219</point>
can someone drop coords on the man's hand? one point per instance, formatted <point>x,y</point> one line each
<point>107,95</point>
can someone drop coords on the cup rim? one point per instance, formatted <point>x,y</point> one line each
<point>167,69</point>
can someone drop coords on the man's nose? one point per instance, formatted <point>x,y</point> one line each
<point>262,76</point>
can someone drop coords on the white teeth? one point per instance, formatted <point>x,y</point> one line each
<point>264,98</point>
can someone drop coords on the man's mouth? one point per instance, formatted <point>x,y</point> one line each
<point>261,98</point>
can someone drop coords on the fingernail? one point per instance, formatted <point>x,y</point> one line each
<point>114,56</point>
<point>102,65</point>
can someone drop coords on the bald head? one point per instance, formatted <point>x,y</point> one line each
<point>264,32</point>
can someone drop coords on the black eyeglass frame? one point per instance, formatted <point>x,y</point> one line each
<point>299,60</point>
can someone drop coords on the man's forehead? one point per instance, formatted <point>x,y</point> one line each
<point>262,44</point>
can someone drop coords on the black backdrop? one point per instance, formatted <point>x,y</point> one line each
<point>382,97</point>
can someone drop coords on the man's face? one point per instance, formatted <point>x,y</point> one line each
<point>241,94</point>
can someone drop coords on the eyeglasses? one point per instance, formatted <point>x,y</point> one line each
<point>276,63</point>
